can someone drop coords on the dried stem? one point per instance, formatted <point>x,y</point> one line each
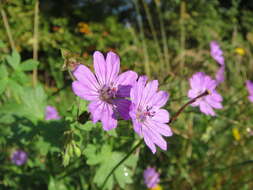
<point>144,46</point>
<point>163,33</point>
<point>7,28</point>
<point>182,33</point>
<point>188,103</point>
<point>35,38</point>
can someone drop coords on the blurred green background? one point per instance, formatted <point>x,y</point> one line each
<point>167,40</point>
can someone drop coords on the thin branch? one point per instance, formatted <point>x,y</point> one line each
<point>36,40</point>
<point>7,28</point>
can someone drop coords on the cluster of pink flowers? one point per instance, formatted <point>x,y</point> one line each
<point>249,86</point>
<point>51,113</point>
<point>217,55</point>
<point>200,82</point>
<point>19,157</point>
<point>113,95</point>
<point>151,177</point>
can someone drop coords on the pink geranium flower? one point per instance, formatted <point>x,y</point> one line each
<point>19,157</point>
<point>216,52</point>
<point>151,177</point>
<point>220,75</point>
<point>200,82</point>
<point>106,90</point>
<point>149,120</point>
<point>51,113</point>
<point>249,86</point>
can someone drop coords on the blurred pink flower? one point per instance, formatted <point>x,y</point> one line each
<point>19,157</point>
<point>106,89</point>
<point>149,120</point>
<point>220,75</point>
<point>151,177</point>
<point>216,52</point>
<point>200,82</point>
<point>51,113</point>
<point>249,86</point>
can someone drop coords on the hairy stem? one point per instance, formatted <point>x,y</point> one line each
<point>185,105</point>
<point>7,28</point>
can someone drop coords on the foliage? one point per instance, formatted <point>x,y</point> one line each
<point>169,39</point>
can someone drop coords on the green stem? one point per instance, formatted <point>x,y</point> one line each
<point>120,162</point>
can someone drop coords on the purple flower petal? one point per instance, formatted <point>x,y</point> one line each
<point>249,86</point>
<point>161,128</point>
<point>124,82</point>
<point>160,99</point>
<point>149,92</point>
<point>100,67</point>
<point>137,127</point>
<point>108,118</point>
<point>19,157</point>
<point>199,83</point>
<point>148,120</point>
<point>155,137</point>
<point>206,108</point>
<point>106,90</point>
<point>123,107</point>
<point>220,75</point>
<point>151,177</point>
<point>51,113</point>
<point>86,77</point>
<point>84,92</point>
<point>148,141</point>
<point>96,109</point>
<point>112,67</point>
<point>216,52</point>
<point>161,116</point>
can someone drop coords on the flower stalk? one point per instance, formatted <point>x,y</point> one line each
<point>188,103</point>
<point>141,140</point>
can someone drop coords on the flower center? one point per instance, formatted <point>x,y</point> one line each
<point>143,114</point>
<point>107,93</point>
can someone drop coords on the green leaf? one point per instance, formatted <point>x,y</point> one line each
<point>107,160</point>
<point>14,60</point>
<point>3,84</point>
<point>20,77</point>
<point>16,88</point>
<point>56,184</point>
<point>29,65</point>
<point>3,72</point>
<point>34,103</point>
<point>90,153</point>
<point>2,44</point>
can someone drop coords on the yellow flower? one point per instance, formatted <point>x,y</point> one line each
<point>236,134</point>
<point>240,51</point>
<point>157,187</point>
<point>83,28</point>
